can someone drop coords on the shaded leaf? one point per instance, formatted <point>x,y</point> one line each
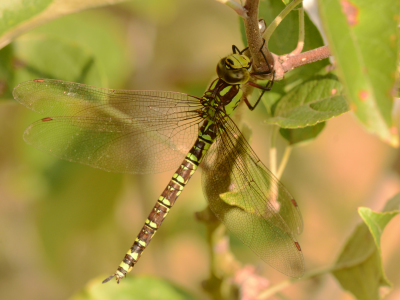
<point>359,267</point>
<point>76,203</point>
<point>6,72</point>
<point>317,100</point>
<point>44,56</point>
<point>133,288</point>
<point>298,135</point>
<point>363,39</point>
<point>104,41</point>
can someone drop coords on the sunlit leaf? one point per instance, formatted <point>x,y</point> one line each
<point>363,39</point>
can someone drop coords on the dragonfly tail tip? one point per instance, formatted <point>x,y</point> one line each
<point>108,279</point>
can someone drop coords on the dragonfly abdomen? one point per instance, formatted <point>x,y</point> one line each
<point>207,135</point>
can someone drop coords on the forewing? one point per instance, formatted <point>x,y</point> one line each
<point>252,203</point>
<point>114,130</point>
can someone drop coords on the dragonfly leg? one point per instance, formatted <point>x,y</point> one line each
<point>269,67</point>
<point>269,85</point>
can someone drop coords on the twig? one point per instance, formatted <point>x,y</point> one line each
<point>289,63</point>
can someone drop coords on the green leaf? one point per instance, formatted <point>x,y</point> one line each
<point>20,16</point>
<point>363,39</point>
<point>298,135</point>
<point>359,267</point>
<point>236,199</point>
<point>317,100</point>
<point>133,288</point>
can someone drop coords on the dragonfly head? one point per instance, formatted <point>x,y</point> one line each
<point>234,69</point>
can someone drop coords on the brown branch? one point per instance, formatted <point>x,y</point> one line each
<point>287,62</point>
<point>280,64</point>
<point>291,62</point>
<point>255,40</point>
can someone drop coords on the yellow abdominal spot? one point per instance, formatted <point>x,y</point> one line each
<point>142,243</point>
<point>124,266</point>
<point>151,223</point>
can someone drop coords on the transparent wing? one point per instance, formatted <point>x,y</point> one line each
<point>252,203</point>
<point>114,130</point>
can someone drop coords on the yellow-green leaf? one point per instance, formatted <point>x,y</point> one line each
<point>133,288</point>
<point>359,267</point>
<point>20,16</point>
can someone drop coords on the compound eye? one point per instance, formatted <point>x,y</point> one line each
<point>230,61</point>
<point>248,66</point>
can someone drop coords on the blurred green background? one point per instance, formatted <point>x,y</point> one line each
<point>63,224</point>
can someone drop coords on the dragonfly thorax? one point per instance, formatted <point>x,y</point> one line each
<point>234,69</point>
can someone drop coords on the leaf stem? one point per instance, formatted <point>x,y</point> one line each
<point>273,289</point>
<point>300,42</point>
<point>271,28</point>
<point>272,151</point>
<point>284,161</point>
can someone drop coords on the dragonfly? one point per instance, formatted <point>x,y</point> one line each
<point>144,131</point>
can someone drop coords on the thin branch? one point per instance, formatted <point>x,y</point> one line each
<point>304,58</point>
